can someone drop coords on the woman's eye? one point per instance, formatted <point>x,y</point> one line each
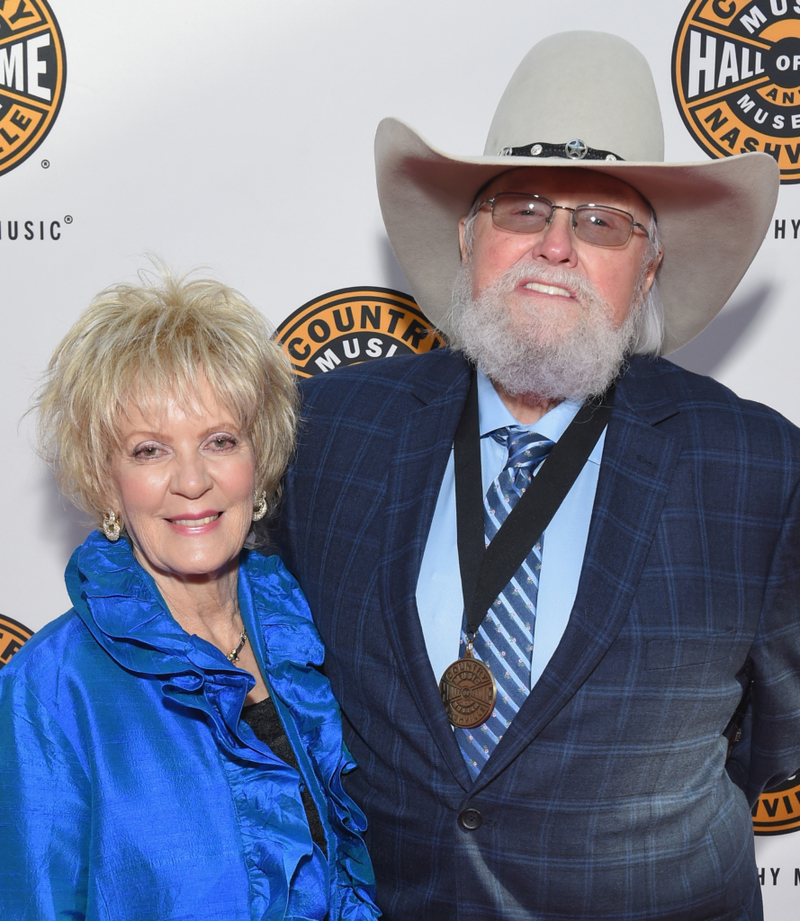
<point>146,451</point>
<point>222,442</point>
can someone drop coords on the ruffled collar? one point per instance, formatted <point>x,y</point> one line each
<point>120,604</point>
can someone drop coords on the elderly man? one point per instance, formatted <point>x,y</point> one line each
<point>558,577</point>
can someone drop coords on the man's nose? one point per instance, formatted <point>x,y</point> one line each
<point>556,242</point>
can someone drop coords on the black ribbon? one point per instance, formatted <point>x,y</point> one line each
<point>485,571</point>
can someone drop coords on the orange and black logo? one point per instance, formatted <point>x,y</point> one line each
<point>33,72</point>
<point>736,78</point>
<point>12,636</point>
<point>778,811</point>
<point>351,325</point>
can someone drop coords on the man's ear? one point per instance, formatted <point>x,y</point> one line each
<point>650,275</point>
<point>462,246</point>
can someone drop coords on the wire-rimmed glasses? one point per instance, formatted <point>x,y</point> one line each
<point>599,225</point>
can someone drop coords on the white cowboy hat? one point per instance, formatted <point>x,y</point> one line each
<point>582,99</point>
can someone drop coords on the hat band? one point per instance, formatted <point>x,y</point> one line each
<point>576,149</point>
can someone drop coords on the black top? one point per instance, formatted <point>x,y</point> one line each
<point>263,719</point>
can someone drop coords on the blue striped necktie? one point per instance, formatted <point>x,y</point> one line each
<point>504,640</point>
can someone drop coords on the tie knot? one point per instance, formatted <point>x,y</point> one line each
<point>525,448</point>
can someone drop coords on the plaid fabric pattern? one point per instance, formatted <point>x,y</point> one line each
<point>608,798</point>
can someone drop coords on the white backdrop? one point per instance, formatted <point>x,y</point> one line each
<point>238,135</point>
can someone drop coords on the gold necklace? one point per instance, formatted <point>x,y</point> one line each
<point>233,655</point>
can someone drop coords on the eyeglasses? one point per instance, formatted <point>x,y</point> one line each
<point>594,224</point>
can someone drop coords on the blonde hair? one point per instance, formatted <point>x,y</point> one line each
<point>136,343</point>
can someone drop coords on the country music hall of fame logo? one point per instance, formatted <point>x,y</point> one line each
<point>352,325</point>
<point>12,635</point>
<point>777,811</point>
<point>736,78</point>
<point>33,71</point>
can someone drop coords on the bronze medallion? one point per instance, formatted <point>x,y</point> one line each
<point>468,691</point>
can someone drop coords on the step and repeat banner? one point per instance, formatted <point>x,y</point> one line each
<point>237,136</point>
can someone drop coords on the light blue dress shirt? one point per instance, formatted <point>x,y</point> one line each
<point>439,597</point>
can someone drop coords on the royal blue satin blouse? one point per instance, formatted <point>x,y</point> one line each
<point>131,790</point>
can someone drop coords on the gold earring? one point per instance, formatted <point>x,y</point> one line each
<point>260,506</point>
<point>112,526</point>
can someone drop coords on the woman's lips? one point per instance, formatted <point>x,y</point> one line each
<point>197,521</point>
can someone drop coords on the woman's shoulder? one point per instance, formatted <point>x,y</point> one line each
<point>268,575</point>
<point>50,642</point>
<point>61,648</point>
<point>270,595</point>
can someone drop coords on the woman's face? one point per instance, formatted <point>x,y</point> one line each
<point>184,483</point>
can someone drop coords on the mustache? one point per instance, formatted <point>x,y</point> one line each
<point>582,289</point>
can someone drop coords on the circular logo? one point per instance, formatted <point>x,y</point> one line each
<point>12,636</point>
<point>778,811</point>
<point>468,692</point>
<point>33,71</point>
<point>352,325</point>
<point>736,78</point>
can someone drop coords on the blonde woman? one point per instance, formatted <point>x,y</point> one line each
<point>169,748</point>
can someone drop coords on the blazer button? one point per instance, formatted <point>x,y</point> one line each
<point>470,819</point>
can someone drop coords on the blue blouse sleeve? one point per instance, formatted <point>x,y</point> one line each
<point>44,812</point>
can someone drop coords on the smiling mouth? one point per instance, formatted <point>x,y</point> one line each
<point>194,522</point>
<point>547,289</point>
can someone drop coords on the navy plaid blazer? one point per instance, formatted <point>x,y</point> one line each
<point>609,797</point>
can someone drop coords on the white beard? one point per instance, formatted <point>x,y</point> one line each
<point>543,352</point>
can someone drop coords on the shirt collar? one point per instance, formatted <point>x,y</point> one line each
<point>494,414</point>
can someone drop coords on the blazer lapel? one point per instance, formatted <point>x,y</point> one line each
<point>636,471</point>
<point>423,447</point>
